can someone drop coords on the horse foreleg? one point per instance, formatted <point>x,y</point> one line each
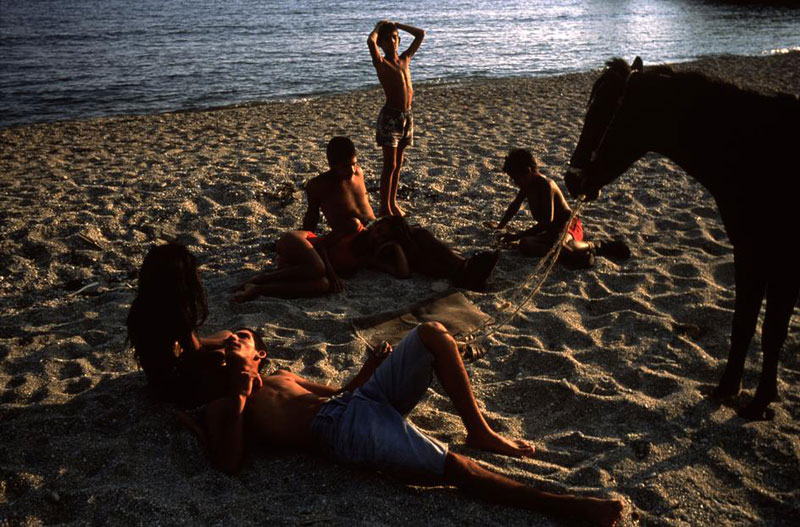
<point>750,282</point>
<point>781,297</point>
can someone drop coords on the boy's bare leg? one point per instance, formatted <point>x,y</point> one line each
<point>395,209</point>
<point>303,274</point>
<point>480,483</point>
<point>450,371</point>
<point>389,164</point>
<point>300,262</point>
<point>289,289</point>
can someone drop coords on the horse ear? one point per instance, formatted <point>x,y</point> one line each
<point>637,65</point>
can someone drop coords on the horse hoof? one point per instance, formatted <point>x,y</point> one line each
<point>756,411</point>
<point>724,393</point>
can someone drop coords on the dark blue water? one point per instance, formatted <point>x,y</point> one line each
<point>78,59</point>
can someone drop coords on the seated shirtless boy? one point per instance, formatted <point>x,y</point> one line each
<point>551,212</point>
<point>342,197</point>
<point>364,423</point>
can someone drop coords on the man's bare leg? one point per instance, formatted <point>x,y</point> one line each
<point>389,165</point>
<point>450,370</point>
<point>480,483</point>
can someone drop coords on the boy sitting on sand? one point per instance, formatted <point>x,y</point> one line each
<point>551,212</point>
<point>342,197</point>
<point>363,423</point>
<point>395,127</point>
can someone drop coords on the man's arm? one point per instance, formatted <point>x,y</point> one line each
<point>418,33</point>
<point>311,217</point>
<point>323,390</point>
<point>367,369</point>
<point>372,44</point>
<point>224,417</point>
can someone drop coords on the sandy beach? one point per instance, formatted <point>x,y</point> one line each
<point>605,371</point>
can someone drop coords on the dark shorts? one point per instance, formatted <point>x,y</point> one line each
<point>395,127</point>
<point>368,427</point>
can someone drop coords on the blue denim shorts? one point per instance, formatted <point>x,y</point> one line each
<point>368,427</point>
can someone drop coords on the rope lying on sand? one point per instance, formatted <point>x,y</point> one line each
<point>519,297</point>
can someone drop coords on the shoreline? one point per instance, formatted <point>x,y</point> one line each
<point>305,97</point>
<point>605,371</point>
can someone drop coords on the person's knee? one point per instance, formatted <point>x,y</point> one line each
<point>459,471</point>
<point>433,335</point>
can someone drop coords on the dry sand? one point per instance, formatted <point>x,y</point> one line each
<point>604,371</point>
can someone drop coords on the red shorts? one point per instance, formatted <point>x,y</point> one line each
<point>576,230</point>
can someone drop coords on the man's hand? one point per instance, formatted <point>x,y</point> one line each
<point>245,383</point>
<point>243,367</point>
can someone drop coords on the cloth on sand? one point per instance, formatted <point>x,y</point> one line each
<point>451,308</point>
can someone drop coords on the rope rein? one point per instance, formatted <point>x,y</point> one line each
<point>519,297</point>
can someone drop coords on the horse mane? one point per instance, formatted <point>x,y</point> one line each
<point>702,82</point>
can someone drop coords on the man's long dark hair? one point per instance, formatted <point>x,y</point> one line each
<point>170,302</point>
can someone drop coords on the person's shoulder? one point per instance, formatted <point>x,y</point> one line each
<point>551,185</point>
<point>317,181</point>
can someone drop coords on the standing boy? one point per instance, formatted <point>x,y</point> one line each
<point>395,127</point>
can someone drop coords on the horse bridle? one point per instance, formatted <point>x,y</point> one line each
<point>578,171</point>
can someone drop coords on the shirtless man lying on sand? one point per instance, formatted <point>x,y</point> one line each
<point>342,197</point>
<point>364,424</point>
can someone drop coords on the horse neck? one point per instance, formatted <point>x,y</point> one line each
<point>687,130</point>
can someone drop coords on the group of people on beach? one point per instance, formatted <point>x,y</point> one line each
<point>312,265</point>
<point>217,378</point>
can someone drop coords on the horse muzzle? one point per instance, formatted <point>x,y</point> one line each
<point>577,186</point>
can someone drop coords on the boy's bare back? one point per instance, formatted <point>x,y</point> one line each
<point>340,199</point>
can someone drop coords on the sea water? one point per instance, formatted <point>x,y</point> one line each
<point>82,58</point>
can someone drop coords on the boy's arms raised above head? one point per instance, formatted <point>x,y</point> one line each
<point>418,33</point>
<point>372,44</point>
<point>372,41</point>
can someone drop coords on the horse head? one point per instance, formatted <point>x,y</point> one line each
<point>605,99</point>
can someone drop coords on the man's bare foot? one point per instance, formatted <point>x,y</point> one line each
<point>494,442</point>
<point>397,211</point>
<point>246,293</point>
<point>599,511</point>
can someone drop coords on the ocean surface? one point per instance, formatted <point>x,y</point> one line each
<point>75,59</point>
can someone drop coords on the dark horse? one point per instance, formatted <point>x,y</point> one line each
<point>743,147</point>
